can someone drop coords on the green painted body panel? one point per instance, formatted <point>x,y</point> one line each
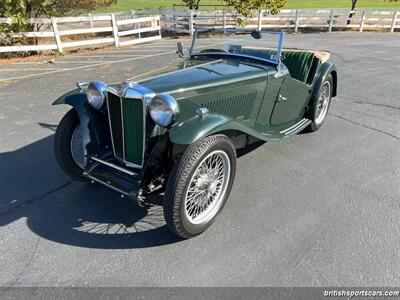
<point>248,105</point>
<point>240,95</point>
<point>76,93</point>
<point>237,100</point>
<point>203,74</point>
<point>271,94</point>
<point>234,90</point>
<point>245,93</point>
<point>291,110</point>
<point>196,128</point>
<point>92,122</point>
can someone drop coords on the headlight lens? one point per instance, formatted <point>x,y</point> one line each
<point>96,94</point>
<point>164,110</point>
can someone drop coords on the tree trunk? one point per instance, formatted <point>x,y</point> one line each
<point>353,7</point>
<point>192,4</point>
<point>30,13</point>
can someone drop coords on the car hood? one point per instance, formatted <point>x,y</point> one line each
<point>195,74</point>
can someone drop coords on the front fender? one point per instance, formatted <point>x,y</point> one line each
<point>72,98</point>
<point>91,120</point>
<point>196,128</point>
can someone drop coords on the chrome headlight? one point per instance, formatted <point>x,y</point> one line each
<point>164,110</point>
<point>96,94</point>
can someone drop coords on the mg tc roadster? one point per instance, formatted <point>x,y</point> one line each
<point>176,131</point>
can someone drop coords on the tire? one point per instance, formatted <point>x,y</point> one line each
<point>316,115</point>
<point>186,180</point>
<point>62,146</point>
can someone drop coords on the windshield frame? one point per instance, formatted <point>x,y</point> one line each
<point>239,30</point>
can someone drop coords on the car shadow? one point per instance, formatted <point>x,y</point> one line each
<point>93,217</point>
<point>79,214</point>
<point>254,146</point>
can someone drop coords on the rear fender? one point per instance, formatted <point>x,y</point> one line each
<point>91,121</point>
<point>323,72</point>
<point>326,69</point>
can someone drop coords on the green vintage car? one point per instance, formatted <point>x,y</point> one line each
<point>176,131</point>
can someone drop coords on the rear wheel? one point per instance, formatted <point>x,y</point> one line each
<point>68,146</point>
<point>199,185</point>
<point>321,106</point>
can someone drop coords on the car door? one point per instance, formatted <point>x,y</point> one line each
<point>290,102</point>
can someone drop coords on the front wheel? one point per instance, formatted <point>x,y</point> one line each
<point>199,185</point>
<point>320,108</point>
<point>68,146</point>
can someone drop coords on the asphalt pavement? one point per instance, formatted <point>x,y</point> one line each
<point>320,209</point>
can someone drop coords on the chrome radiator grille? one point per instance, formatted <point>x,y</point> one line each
<point>127,126</point>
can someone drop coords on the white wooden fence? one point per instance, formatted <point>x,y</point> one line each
<point>186,21</point>
<point>72,32</point>
<point>127,28</point>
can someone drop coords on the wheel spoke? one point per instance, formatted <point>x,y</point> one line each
<point>193,197</point>
<point>76,147</point>
<point>206,187</point>
<point>323,102</point>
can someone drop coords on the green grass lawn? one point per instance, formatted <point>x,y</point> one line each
<point>124,5</point>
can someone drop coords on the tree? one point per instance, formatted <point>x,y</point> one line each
<point>247,7</point>
<point>353,7</point>
<point>76,7</point>
<point>192,4</point>
<point>20,11</point>
<point>39,8</point>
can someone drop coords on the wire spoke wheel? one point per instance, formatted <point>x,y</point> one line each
<point>323,102</point>
<point>207,187</point>
<point>199,185</point>
<point>77,147</point>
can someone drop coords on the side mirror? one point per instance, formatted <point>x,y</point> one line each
<point>180,49</point>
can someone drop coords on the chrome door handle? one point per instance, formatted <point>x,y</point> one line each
<point>281,98</point>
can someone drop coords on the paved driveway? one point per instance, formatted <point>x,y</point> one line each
<point>319,209</point>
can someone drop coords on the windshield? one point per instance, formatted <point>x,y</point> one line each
<point>260,44</point>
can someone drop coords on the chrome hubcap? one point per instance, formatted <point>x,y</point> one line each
<point>323,102</point>
<point>77,147</point>
<point>207,187</point>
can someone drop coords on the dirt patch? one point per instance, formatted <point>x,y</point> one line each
<point>49,57</point>
<point>6,61</point>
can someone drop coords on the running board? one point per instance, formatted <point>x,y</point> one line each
<point>299,126</point>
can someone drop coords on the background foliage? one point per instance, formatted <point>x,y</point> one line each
<point>20,11</point>
<point>246,7</point>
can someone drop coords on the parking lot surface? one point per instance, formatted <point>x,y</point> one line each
<point>320,209</point>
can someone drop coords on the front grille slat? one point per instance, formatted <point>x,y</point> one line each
<point>114,111</point>
<point>134,128</point>
<point>127,128</point>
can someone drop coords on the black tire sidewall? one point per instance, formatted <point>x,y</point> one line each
<point>62,145</point>
<point>198,228</point>
<point>314,126</point>
<point>177,187</point>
